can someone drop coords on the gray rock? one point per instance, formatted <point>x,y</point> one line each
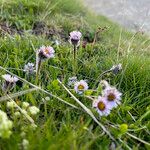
<point>132,14</point>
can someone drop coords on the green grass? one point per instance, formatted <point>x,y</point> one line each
<point>61,126</point>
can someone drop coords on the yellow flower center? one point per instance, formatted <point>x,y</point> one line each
<point>101,106</point>
<point>111,97</point>
<point>46,51</point>
<point>80,87</point>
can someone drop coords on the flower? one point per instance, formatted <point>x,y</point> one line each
<point>112,95</point>
<point>10,78</point>
<point>80,86</point>
<point>10,82</point>
<point>29,68</point>
<point>75,37</point>
<point>102,106</point>
<point>10,105</point>
<point>116,68</point>
<point>5,125</point>
<point>33,110</point>
<point>57,42</point>
<point>17,114</point>
<point>46,52</point>
<point>104,84</point>
<point>25,105</point>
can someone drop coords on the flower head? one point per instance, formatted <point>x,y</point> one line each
<point>5,125</point>
<point>102,106</point>
<point>116,68</point>
<point>112,95</point>
<point>33,110</point>
<point>46,52</point>
<point>10,105</point>
<point>25,105</point>
<point>10,82</point>
<point>10,78</point>
<point>29,68</point>
<point>75,37</point>
<point>104,84</point>
<point>80,86</point>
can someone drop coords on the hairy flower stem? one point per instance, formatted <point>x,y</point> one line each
<point>74,60</point>
<point>38,67</point>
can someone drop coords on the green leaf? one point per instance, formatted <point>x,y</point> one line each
<point>123,128</point>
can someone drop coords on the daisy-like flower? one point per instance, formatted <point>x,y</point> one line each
<point>102,107</point>
<point>80,86</point>
<point>112,95</point>
<point>29,68</point>
<point>75,37</point>
<point>46,52</point>
<point>10,82</point>
<point>116,68</point>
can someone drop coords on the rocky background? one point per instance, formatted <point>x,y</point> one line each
<point>132,14</point>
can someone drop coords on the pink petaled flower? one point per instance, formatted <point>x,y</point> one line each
<point>75,37</point>
<point>102,107</point>
<point>112,95</point>
<point>10,78</point>
<point>9,83</point>
<point>80,86</point>
<point>46,52</point>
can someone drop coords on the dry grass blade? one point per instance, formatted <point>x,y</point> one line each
<point>14,95</point>
<point>39,88</point>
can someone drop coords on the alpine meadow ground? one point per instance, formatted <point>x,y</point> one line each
<point>41,109</point>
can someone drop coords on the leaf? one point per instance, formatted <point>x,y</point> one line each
<point>123,128</point>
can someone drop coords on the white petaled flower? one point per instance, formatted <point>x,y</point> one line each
<point>112,95</point>
<point>75,37</point>
<point>29,68</point>
<point>10,82</point>
<point>33,110</point>
<point>102,107</point>
<point>46,52</point>
<point>116,68</point>
<point>5,125</point>
<point>80,86</point>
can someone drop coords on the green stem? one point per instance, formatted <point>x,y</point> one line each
<point>38,70</point>
<point>74,60</point>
